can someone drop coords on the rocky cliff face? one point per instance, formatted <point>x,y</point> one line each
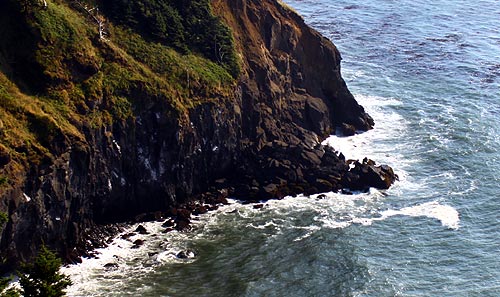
<point>261,140</point>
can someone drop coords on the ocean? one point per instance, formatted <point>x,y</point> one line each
<point>428,72</point>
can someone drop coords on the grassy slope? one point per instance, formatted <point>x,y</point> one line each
<point>57,76</point>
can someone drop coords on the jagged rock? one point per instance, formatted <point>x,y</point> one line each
<point>289,97</point>
<point>183,214</point>
<point>367,174</point>
<point>258,206</point>
<point>168,223</point>
<point>323,185</point>
<point>149,217</point>
<point>141,230</point>
<point>269,191</point>
<point>348,129</point>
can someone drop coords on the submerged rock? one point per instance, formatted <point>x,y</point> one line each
<point>258,206</point>
<point>111,265</point>
<point>139,242</point>
<point>187,254</point>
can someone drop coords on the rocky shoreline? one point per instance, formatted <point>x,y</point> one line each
<point>259,140</point>
<point>306,171</point>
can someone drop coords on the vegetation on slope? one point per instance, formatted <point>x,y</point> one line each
<point>57,76</point>
<point>39,278</point>
<point>183,25</point>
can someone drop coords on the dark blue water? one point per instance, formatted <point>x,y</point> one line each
<point>429,74</point>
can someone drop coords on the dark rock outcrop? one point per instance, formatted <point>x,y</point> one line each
<point>259,142</point>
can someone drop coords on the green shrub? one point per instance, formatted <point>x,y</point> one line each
<point>3,181</point>
<point>182,25</point>
<point>42,277</point>
<point>4,218</point>
<point>4,292</point>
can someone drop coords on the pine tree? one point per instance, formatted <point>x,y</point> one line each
<point>4,281</point>
<point>42,277</point>
<point>4,292</point>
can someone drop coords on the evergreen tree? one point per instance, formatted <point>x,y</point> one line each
<point>42,277</point>
<point>4,281</point>
<point>4,292</point>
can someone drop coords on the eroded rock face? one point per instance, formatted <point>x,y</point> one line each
<point>291,74</point>
<point>260,142</point>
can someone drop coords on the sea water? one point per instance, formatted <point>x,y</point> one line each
<point>429,74</point>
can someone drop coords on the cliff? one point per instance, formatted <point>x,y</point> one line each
<point>97,129</point>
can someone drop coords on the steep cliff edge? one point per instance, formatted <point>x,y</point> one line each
<point>291,69</point>
<point>99,130</point>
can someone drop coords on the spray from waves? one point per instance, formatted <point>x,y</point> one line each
<point>347,210</point>
<point>295,218</point>
<point>389,126</point>
<point>383,143</point>
<point>447,215</point>
<point>120,266</point>
<point>130,256</point>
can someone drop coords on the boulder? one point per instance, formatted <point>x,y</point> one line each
<point>347,129</point>
<point>200,209</point>
<point>127,235</point>
<point>141,230</point>
<point>182,225</point>
<point>367,174</point>
<point>139,242</point>
<point>258,206</point>
<point>168,223</point>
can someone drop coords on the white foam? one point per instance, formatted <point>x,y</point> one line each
<point>389,125</point>
<point>93,276</point>
<point>381,144</point>
<point>336,211</point>
<point>447,215</point>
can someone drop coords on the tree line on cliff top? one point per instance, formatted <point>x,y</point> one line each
<point>183,25</point>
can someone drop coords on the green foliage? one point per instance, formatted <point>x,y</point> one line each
<point>176,68</point>
<point>4,218</point>
<point>43,127</point>
<point>3,181</point>
<point>183,25</point>
<point>42,277</point>
<point>4,292</point>
<point>122,108</point>
<point>56,76</point>
<point>30,5</point>
<point>65,49</point>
